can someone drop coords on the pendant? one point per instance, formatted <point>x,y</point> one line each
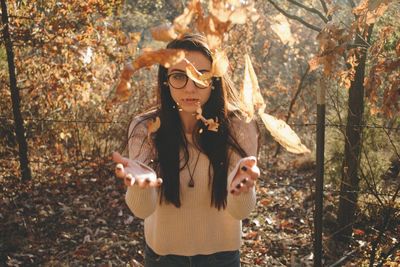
<point>191,183</point>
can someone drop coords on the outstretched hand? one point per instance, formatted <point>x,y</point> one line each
<point>245,177</point>
<point>135,172</point>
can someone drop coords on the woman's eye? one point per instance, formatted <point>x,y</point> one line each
<point>179,76</point>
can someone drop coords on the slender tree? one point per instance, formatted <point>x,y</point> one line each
<point>15,98</point>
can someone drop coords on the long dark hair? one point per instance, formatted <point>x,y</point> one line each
<point>170,137</point>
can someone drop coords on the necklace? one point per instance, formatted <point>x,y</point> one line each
<point>191,182</point>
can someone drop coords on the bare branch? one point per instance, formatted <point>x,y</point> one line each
<point>310,9</point>
<point>324,6</point>
<point>290,16</point>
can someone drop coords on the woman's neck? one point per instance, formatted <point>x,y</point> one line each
<point>188,121</point>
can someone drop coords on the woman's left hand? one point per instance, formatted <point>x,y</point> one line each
<point>245,177</point>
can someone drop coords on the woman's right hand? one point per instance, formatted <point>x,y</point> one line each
<point>134,172</point>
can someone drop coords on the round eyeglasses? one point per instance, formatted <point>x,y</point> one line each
<point>178,80</point>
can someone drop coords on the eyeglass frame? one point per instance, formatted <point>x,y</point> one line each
<point>187,79</point>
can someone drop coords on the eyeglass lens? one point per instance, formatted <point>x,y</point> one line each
<point>179,80</point>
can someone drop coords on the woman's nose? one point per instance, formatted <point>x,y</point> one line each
<point>190,86</point>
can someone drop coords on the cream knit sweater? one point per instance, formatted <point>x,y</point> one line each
<point>196,227</point>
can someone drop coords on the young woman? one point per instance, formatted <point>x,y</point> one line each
<point>192,214</point>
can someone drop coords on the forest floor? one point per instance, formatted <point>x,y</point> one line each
<point>79,218</point>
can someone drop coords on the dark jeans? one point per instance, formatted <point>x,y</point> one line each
<point>219,259</point>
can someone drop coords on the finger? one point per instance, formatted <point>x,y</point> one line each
<point>249,161</point>
<point>144,182</point>
<point>248,182</point>
<point>156,183</point>
<point>117,158</point>
<point>129,180</point>
<point>253,172</point>
<point>119,171</point>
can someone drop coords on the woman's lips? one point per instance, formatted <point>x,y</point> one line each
<point>190,101</point>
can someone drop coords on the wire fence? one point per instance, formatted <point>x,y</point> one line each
<point>124,122</point>
<point>308,187</point>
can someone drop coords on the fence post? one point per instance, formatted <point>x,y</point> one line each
<point>15,98</point>
<point>319,184</point>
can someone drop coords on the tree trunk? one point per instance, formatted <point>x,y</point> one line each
<point>350,180</point>
<point>19,126</point>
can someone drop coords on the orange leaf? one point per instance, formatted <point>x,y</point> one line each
<point>165,57</point>
<point>283,134</point>
<point>127,72</point>
<point>250,92</point>
<point>182,21</point>
<point>220,64</point>
<point>203,79</point>
<point>164,33</point>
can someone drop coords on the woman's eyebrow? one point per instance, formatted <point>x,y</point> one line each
<point>183,71</point>
<point>177,70</point>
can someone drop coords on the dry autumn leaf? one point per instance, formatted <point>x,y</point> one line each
<point>212,125</point>
<point>164,33</point>
<point>258,100</point>
<point>203,79</point>
<point>283,134</point>
<point>165,57</point>
<point>252,98</point>
<point>250,92</point>
<point>220,64</point>
<point>182,21</point>
<point>127,72</point>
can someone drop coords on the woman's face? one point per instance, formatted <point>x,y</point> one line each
<point>190,96</point>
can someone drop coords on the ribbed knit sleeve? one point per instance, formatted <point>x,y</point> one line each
<point>246,135</point>
<point>142,202</point>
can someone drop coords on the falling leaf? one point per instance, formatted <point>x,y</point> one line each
<point>165,57</point>
<point>283,134</point>
<point>164,33</point>
<point>220,64</point>
<point>258,100</point>
<point>182,21</point>
<point>203,79</point>
<point>212,125</point>
<point>250,92</point>
<point>127,72</point>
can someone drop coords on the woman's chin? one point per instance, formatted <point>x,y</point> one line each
<point>189,108</point>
